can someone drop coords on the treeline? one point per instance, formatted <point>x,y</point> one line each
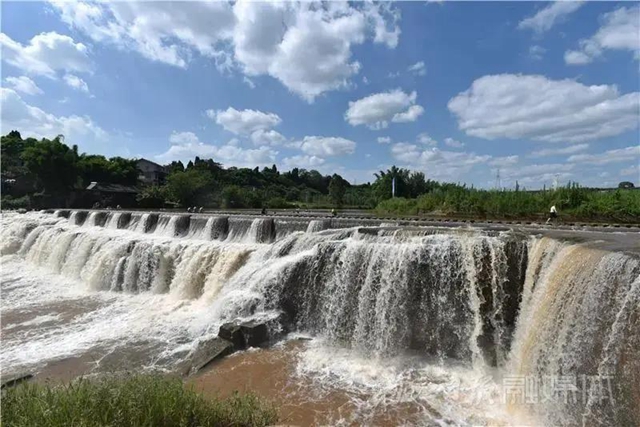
<point>36,168</point>
<point>206,183</point>
<point>33,169</point>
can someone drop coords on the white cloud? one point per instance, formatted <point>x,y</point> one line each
<point>186,145</point>
<point>166,32</point>
<point>325,146</point>
<point>633,170</point>
<point>453,143</point>
<point>23,84</point>
<point>620,30</point>
<point>45,54</point>
<point>411,115</point>
<point>378,109</point>
<point>267,137</point>
<point>365,80</point>
<point>425,139</point>
<point>246,80</point>
<point>418,69</point>
<point>384,140</point>
<point>306,46</point>
<point>33,121</point>
<point>536,52</point>
<point>244,122</point>
<point>76,83</point>
<point>504,161</point>
<point>611,156</point>
<point>536,174</point>
<point>437,164</point>
<point>537,108</point>
<point>304,162</point>
<point>559,151</point>
<point>549,16</point>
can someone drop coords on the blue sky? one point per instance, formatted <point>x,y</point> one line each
<point>457,90</point>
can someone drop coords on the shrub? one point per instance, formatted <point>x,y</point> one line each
<point>139,400</point>
<point>20,202</point>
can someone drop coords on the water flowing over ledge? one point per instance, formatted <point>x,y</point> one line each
<point>518,305</point>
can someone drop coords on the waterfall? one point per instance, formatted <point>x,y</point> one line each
<point>318,225</point>
<point>527,306</point>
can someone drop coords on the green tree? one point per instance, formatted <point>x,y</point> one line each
<point>337,190</point>
<point>189,187</point>
<point>151,196</point>
<point>626,185</point>
<point>53,163</point>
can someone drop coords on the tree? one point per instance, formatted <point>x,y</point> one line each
<point>53,163</point>
<point>337,189</point>
<point>151,196</point>
<point>188,187</point>
<point>626,185</point>
<point>382,187</point>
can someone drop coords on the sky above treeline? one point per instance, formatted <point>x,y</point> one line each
<point>462,91</point>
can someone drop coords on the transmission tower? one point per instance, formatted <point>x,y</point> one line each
<point>498,183</point>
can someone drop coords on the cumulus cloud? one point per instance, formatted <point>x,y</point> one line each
<point>76,83</point>
<point>425,139</point>
<point>626,154</point>
<point>535,107</point>
<point>23,84</point>
<point>437,164</point>
<point>267,137</point>
<point>535,175</point>
<point>166,32</point>
<point>549,16</point>
<point>620,30</point>
<point>559,151</point>
<point>453,143</point>
<point>504,161</point>
<point>306,46</point>
<point>384,140</point>
<point>418,69</point>
<point>375,111</point>
<point>33,121</point>
<point>186,145</point>
<point>45,54</point>
<point>244,122</point>
<point>305,162</point>
<point>326,146</point>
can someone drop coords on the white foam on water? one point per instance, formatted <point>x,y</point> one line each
<point>114,320</point>
<point>36,321</point>
<point>447,394</point>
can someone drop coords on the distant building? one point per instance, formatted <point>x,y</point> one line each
<point>151,173</point>
<point>106,194</point>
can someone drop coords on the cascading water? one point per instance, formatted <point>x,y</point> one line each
<point>502,306</point>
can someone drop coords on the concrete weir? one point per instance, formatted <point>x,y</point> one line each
<point>184,290</point>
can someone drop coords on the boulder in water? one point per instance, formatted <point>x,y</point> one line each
<point>254,333</point>
<point>15,379</point>
<point>243,335</point>
<point>209,351</point>
<point>232,333</point>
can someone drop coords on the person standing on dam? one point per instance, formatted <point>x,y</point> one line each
<point>553,214</point>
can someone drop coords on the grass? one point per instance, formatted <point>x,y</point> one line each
<point>139,400</point>
<point>572,202</point>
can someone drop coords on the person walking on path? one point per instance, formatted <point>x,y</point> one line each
<point>553,214</point>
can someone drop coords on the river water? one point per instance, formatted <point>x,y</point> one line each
<point>428,327</point>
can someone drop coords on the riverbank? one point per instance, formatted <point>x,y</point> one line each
<point>129,401</point>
